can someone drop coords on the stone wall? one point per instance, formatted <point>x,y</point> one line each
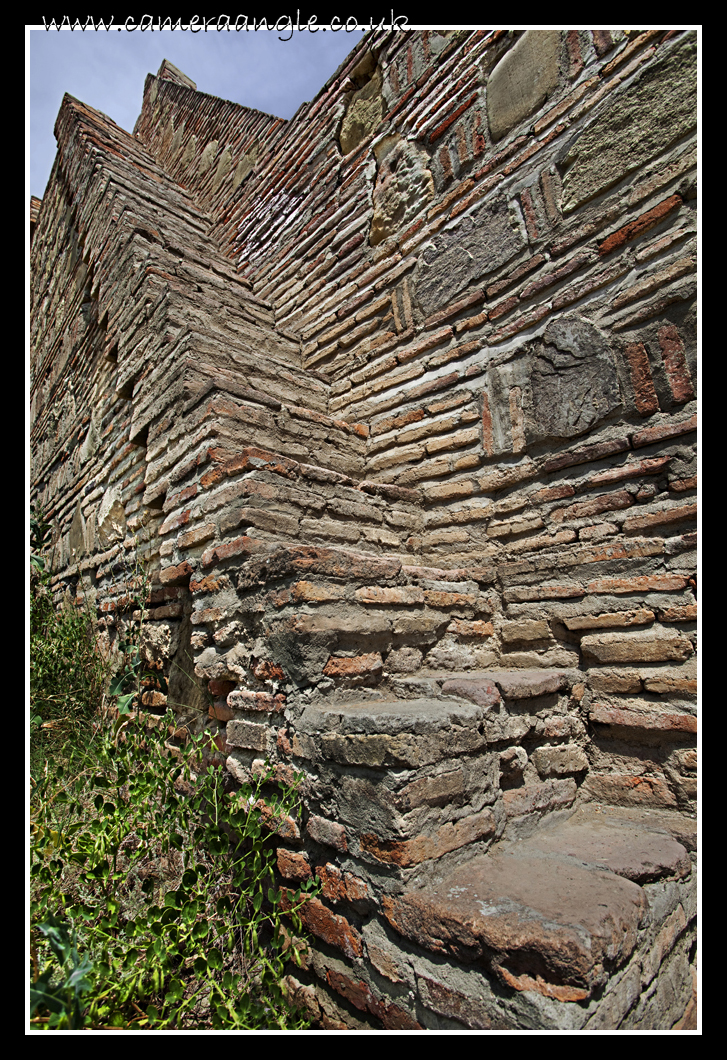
<point>396,402</point>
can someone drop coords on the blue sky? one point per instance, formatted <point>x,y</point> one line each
<point>107,71</point>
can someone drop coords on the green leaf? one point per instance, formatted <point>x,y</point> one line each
<point>123,704</point>
<point>175,992</point>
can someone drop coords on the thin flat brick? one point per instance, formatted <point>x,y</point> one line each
<point>641,583</point>
<point>605,502</point>
<point>662,431</point>
<point>675,363</point>
<point>665,517</point>
<point>586,454</point>
<point>639,225</point>
<point>647,403</point>
<point>618,474</point>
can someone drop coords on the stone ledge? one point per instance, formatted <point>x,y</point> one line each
<point>557,914</point>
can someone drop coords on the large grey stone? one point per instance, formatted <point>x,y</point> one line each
<point>481,242</point>
<point>636,124</point>
<point>522,80</point>
<point>573,380</point>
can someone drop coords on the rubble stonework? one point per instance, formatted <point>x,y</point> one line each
<point>395,401</point>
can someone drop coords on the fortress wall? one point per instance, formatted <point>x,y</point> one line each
<point>397,400</point>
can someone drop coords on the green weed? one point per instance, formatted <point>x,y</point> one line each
<point>153,899</point>
<point>164,883</point>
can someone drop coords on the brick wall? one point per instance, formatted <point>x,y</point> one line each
<point>396,400</point>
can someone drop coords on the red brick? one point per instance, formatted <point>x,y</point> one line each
<point>575,60</point>
<point>531,220</point>
<point>637,719</point>
<point>241,699</point>
<point>240,546</point>
<point>396,422</point>
<point>340,886</point>
<point>375,594</point>
<point>218,687</point>
<point>474,298</point>
<point>679,485</point>
<point>554,493</point>
<point>453,117</point>
<point>433,385</point>
<point>624,790</point>
<point>359,669</point>
<point>645,397</point>
<point>425,343</point>
<point>643,467</point>
<point>178,575</point>
<point>293,866</point>
<point>685,613</point>
<point>279,824</point>
<point>521,322</point>
<point>438,598</point>
<point>446,163</point>
<point>177,499</point>
<point>637,227</point>
<point>503,307</point>
<point>604,502</point>
<point>219,711</point>
<point>665,517</point>
<point>635,45</point>
<point>586,454</point>
<point>663,431</point>
<point>472,322</point>
<point>329,833</point>
<point>543,592</point>
<point>675,363</point>
<point>479,139</point>
<point>517,274</point>
<point>471,629</point>
<point>487,437</point>
<point>268,671</point>
<point>643,583</point>
<point>555,277</point>
<point>328,926</point>
<point>173,522</point>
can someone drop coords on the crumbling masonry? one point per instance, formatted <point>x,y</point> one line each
<point>396,399</point>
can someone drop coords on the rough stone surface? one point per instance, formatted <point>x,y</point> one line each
<point>539,924</point>
<point>656,110</point>
<point>522,80</point>
<point>574,381</point>
<point>403,182</point>
<point>474,247</point>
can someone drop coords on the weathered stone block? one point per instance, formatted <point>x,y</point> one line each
<point>363,114</point>
<point>476,245</point>
<point>522,80</point>
<point>637,647</point>
<point>403,184</point>
<point>556,761</point>
<point>573,379</point>
<point>654,111</point>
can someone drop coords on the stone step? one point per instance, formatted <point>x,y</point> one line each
<point>583,911</point>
